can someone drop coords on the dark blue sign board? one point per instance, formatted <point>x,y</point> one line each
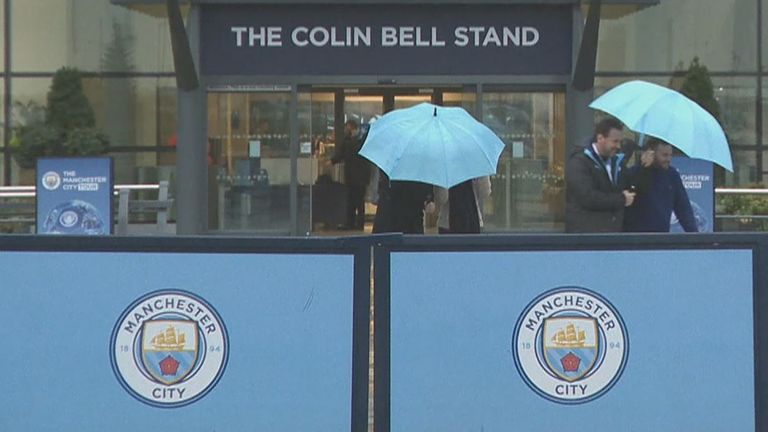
<point>74,196</point>
<point>483,334</point>
<point>699,181</point>
<point>233,338</point>
<point>446,39</point>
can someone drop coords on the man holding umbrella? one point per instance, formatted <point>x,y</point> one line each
<point>595,201</point>
<point>659,192</point>
<point>657,111</point>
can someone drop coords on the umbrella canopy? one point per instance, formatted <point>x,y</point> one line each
<point>668,115</point>
<point>443,146</point>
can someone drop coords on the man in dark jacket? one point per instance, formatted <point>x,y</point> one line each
<point>659,192</point>
<point>595,200</point>
<point>357,173</point>
<point>401,206</point>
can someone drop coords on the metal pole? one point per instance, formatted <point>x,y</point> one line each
<point>7,99</point>
<point>759,107</point>
<point>293,110</point>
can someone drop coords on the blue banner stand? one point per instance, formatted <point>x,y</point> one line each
<point>74,196</point>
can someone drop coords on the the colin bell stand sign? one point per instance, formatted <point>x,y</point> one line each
<point>74,196</point>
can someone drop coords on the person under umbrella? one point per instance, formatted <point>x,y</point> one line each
<point>421,146</point>
<point>357,173</point>
<point>660,191</point>
<point>595,196</point>
<point>401,204</point>
<point>460,207</point>
<point>657,111</point>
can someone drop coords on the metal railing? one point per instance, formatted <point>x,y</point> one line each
<point>757,220</point>
<point>21,210</point>
<point>24,211</point>
<point>735,191</point>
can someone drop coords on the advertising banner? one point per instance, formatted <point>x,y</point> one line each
<point>699,181</point>
<point>335,39</point>
<point>74,196</point>
<point>120,341</point>
<point>659,340</point>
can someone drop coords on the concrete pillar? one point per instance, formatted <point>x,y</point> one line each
<point>191,150</point>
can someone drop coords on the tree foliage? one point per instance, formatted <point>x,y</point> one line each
<point>698,87</point>
<point>68,127</point>
<point>67,107</point>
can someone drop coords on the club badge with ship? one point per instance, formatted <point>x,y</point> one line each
<point>169,349</point>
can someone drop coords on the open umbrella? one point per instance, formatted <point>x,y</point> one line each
<point>666,114</point>
<point>443,146</point>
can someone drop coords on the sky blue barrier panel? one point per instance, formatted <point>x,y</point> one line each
<point>480,341</point>
<point>74,196</point>
<point>274,353</point>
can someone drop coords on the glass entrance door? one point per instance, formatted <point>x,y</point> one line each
<point>254,172</point>
<point>528,190</point>
<point>323,195</point>
<point>324,198</point>
<point>249,162</point>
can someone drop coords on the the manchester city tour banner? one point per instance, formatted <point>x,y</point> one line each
<point>126,341</point>
<point>699,182</point>
<point>632,340</point>
<point>74,196</point>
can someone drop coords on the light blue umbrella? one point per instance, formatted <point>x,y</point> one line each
<point>666,114</point>
<point>443,146</point>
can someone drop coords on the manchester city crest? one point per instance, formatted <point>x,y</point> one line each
<point>570,345</point>
<point>169,348</point>
<point>51,180</point>
<point>166,351</point>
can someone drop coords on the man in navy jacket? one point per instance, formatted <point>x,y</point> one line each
<point>660,191</point>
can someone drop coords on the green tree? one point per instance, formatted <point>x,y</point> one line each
<point>119,93</point>
<point>68,107</point>
<point>68,127</point>
<point>698,87</point>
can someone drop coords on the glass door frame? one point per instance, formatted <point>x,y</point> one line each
<point>389,92</point>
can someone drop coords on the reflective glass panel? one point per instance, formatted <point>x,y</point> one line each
<point>363,109</point>
<point>317,190</point>
<point>528,192</point>
<point>668,36</point>
<point>744,169</point>
<point>2,37</point>
<point>466,100</point>
<point>248,134</point>
<point>765,113</point>
<point>92,35</point>
<point>132,112</point>
<point>407,101</point>
<point>736,99</point>
<point>764,13</point>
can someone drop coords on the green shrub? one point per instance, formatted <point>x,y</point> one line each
<point>67,129</point>
<point>746,205</point>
